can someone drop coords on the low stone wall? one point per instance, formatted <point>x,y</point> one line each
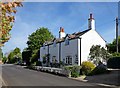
<point>59,71</point>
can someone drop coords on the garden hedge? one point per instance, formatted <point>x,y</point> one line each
<point>114,62</point>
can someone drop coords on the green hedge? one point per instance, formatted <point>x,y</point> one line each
<point>114,62</point>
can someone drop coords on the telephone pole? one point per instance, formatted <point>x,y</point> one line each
<point>117,34</point>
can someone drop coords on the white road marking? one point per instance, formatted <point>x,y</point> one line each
<point>112,86</point>
<point>2,82</point>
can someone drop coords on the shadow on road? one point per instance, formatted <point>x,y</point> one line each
<point>112,78</point>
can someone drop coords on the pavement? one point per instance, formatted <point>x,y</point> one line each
<point>0,74</point>
<point>17,76</point>
<point>111,79</point>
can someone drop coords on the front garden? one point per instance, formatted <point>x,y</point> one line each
<point>87,68</point>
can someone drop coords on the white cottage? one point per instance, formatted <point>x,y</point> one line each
<point>72,48</point>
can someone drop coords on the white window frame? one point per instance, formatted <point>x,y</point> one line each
<point>69,60</point>
<point>76,59</point>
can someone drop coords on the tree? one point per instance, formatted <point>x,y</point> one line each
<point>15,56</point>
<point>7,19</point>
<point>10,57</point>
<point>1,54</point>
<point>112,46</point>
<point>16,50</point>
<point>4,59</point>
<point>35,56</point>
<point>98,53</point>
<point>26,54</point>
<point>104,54</point>
<point>37,38</point>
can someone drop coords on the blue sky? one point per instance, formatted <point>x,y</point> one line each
<point>73,16</point>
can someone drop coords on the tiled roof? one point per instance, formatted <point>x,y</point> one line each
<point>70,36</point>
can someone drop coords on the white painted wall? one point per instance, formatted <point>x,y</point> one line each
<point>62,34</point>
<point>54,51</point>
<point>43,52</point>
<point>93,24</point>
<point>88,39</point>
<point>69,50</point>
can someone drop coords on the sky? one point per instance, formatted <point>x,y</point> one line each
<point>72,16</point>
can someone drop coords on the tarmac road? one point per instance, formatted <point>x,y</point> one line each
<point>14,75</point>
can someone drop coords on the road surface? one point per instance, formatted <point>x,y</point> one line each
<point>14,75</point>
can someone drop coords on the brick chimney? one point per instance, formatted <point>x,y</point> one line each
<point>61,33</point>
<point>91,22</point>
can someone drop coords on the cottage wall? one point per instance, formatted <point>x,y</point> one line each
<point>88,40</point>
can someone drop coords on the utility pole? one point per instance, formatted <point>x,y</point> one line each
<point>117,34</point>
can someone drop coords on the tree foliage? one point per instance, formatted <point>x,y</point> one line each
<point>7,19</point>
<point>35,56</point>
<point>1,54</point>
<point>26,54</point>
<point>112,46</point>
<point>15,56</point>
<point>4,59</point>
<point>37,38</point>
<point>98,53</point>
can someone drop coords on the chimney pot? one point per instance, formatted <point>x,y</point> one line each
<point>61,32</point>
<point>91,16</point>
<point>61,29</point>
<point>91,22</point>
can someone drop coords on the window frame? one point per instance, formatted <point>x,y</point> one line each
<point>54,60</point>
<point>76,59</point>
<point>68,60</point>
<point>54,44</point>
<point>67,42</point>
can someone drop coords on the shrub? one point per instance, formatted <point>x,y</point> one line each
<point>75,74</point>
<point>68,68</point>
<point>38,63</point>
<point>87,67</point>
<point>31,67</point>
<point>114,62</point>
<point>62,64</point>
<point>75,70</point>
<point>100,69</point>
<point>56,65</point>
<point>116,54</point>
